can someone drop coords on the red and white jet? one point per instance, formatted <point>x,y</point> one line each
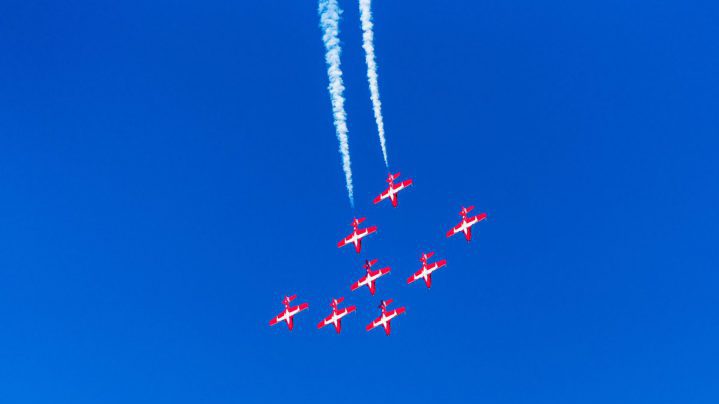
<point>289,312</point>
<point>357,235</point>
<point>337,314</point>
<point>393,189</point>
<point>465,226</point>
<point>371,276</point>
<point>426,270</point>
<point>386,317</point>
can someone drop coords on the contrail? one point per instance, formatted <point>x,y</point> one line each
<point>329,21</point>
<point>368,45</point>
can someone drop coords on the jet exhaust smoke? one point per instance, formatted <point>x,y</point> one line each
<point>329,22</point>
<point>368,46</point>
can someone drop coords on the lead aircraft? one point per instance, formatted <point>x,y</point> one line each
<point>289,312</point>
<point>426,270</point>
<point>393,189</point>
<point>357,235</point>
<point>371,277</point>
<point>465,226</point>
<point>337,314</point>
<point>386,317</point>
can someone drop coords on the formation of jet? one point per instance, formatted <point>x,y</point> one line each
<point>386,317</point>
<point>357,235</point>
<point>392,189</point>
<point>426,271</point>
<point>370,277</point>
<point>289,312</point>
<point>336,316</point>
<point>465,226</point>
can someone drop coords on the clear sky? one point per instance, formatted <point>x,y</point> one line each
<point>169,171</point>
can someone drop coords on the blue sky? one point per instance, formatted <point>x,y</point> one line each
<point>170,171</point>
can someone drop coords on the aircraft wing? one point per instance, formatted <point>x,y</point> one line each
<point>374,323</point>
<point>437,265</point>
<point>383,271</point>
<point>345,241</point>
<point>277,318</point>
<point>454,230</point>
<point>402,185</point>
<point>415,276</point>
<point>381,196</point>
<point>347,310</point>
<point>325,321</point>
<point>479,218</point>
<point>398,311</point>
<point>367,231</point>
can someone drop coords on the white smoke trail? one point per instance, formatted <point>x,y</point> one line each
<point>329,21</point>
<point>368,46</point>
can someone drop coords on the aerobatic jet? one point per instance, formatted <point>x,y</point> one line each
<point>465,226</point>
<point>386,317</point>
<point>393,189</point>
<point>371,277</point>
<point>357,234</point>
<point>426,270</point>
<point>337,314</point>
<point>289,312</point>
